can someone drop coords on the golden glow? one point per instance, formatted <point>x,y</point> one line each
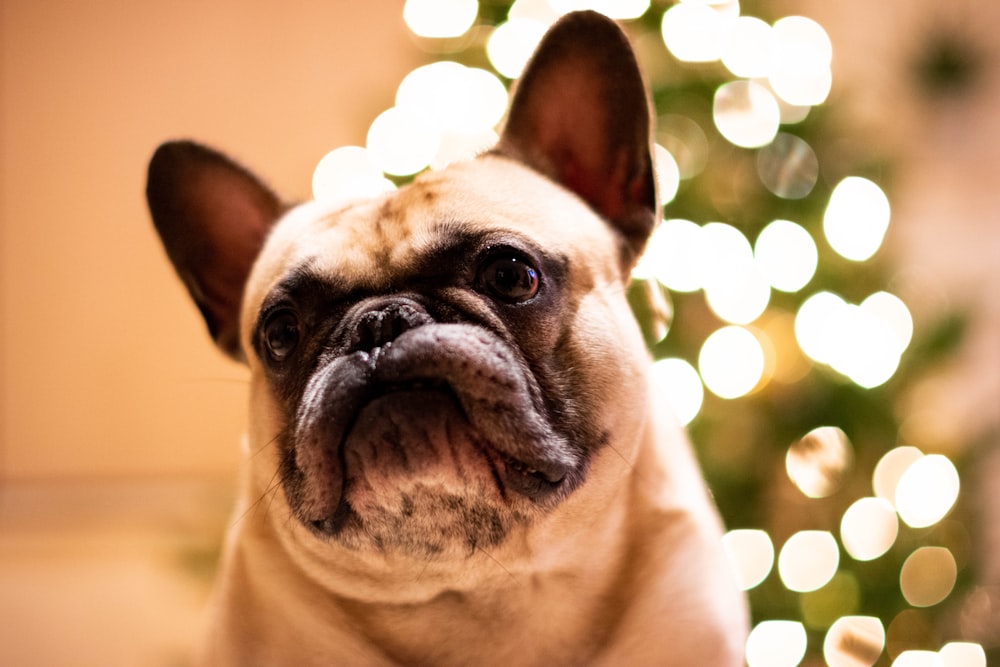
<point>671,255</point>
<point>746,113</point>
<point>731,362</point>
<point>512,43</point>
<point>918,659</point>
<point>819,462</point>
<point>751,554</point>
<point>735,287</point>
<point>787,255</point>
<point>856,218</point>
<point>854,641</point>
<point>694,31</point>
<point>680,386</point>
<point>927,491</point>
<point>776,644</point>
<point>346,173</point>
<point>869,528</point>
<point>808,560</point>
<point>616,9</point>
<point>440,18</point>
<point>891,310</point>
<point>800,61</point>
<point>928,576</point>
<point>453,97</point>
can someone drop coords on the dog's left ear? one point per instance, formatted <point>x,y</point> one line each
<point>580,115</point>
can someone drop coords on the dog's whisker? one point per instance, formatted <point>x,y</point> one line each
<point>496,561</point>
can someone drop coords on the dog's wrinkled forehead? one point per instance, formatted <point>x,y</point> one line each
<point>369,243</point>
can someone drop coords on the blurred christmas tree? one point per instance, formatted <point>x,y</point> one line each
<point>764,286</point>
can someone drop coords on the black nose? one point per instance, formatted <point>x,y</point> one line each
<point>386,322</point>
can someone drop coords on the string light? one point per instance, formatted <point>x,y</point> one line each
<point>680,386</point>
<point>776,644</point>
<point>751,555</point>
<point>440,18</point>
<point>928,576</point>
<point>808,560</point>
<point>869,528</point>
<point>786,255</point>
<point>856,218</point>
<point>746,113</point>
<point>854,641</point>
<point>731,362</point>
<point>820,461</point>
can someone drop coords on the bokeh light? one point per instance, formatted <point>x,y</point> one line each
<point>854,641</point>
<point>512,43</point>
<point>735,288</point>
<point>746,51</point>
<point>820,461</point>
<point>787,255</point>
<point>788,166</point>
<point>890,469</point>
<point>440,18</point>
<point>348,173</point>
<point>808,560</point>
<point>856,218</point>
<point>918,659</point>
<point>402,143</point>
<point>746,113</point>
<point>731,362</point>
<point>776,644</point>
<point>671,255</point>
<point>928,576</point>
<point>668,174</point>
<point>817,326</point>
<point>680,386</point>
<point>751,554</point>
<point>451,96</point>
<point>962,654</point>
<point>693,31</point>
<point>891,310</point>
<point>800,61</point>
<point>869,528</point>
<point>927,490</point>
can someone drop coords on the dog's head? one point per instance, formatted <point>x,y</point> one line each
<point>438,366</point>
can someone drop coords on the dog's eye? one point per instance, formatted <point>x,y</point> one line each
<point>281,335</point>
<point>510,278</point>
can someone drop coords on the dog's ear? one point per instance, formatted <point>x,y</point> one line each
<point>580,114</point>
<point>212,216</point>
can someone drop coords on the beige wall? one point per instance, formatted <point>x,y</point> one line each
<point>104,365</point>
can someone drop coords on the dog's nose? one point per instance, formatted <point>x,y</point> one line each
<point>381,325</point>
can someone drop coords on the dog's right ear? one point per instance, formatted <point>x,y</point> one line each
<point>213,217</point>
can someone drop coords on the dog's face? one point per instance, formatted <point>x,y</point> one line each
<point>440,366</point>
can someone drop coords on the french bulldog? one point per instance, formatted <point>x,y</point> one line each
<point>455,452</point>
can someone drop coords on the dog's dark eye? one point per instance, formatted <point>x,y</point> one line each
<point>510,277</point>
<point>281,335</point>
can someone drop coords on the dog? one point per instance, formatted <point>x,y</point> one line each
<point>455,452</point>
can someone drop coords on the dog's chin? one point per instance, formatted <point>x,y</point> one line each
<point>401,454</point>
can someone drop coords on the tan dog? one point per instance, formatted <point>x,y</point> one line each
<point>456,457</point>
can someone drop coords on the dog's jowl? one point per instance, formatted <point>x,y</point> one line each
<point>454,434</point>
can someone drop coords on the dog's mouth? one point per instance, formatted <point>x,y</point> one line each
<point>442,426</point>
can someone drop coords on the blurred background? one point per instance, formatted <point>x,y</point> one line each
<point>848,405</point>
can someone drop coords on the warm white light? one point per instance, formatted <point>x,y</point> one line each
<point>800,61</point>
<point>453,97</point>
<point>616,9</point>
<point>731,362</point>
<point>788,166</point>
<point>928,576</point>
<point>401,143</point>
<point>808,560</point>
<point>457,146</point>
<point>746,113</point>
<point>856,218</point>
<point>680,386</point>
<point>672,255</point>
<point>751,555</point>
<point>869,528</point>
<point>668,174</point>
<point>867,351</point>
<point>891,310</point>
<point>693,32</point>
<point>818,326</point>
<point>735,288</point>
<point>918,659</point>
<point>890,469</point>
<point>512,43</point>
<point>440,18</point>
<point>787,255</point>
<point>746,49</point>
<point>776,644</point>
<point>854,641</point>
<point>347,173</point>
<point>927,491</point>
<point>962,654</point>
<point>818,463</point>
